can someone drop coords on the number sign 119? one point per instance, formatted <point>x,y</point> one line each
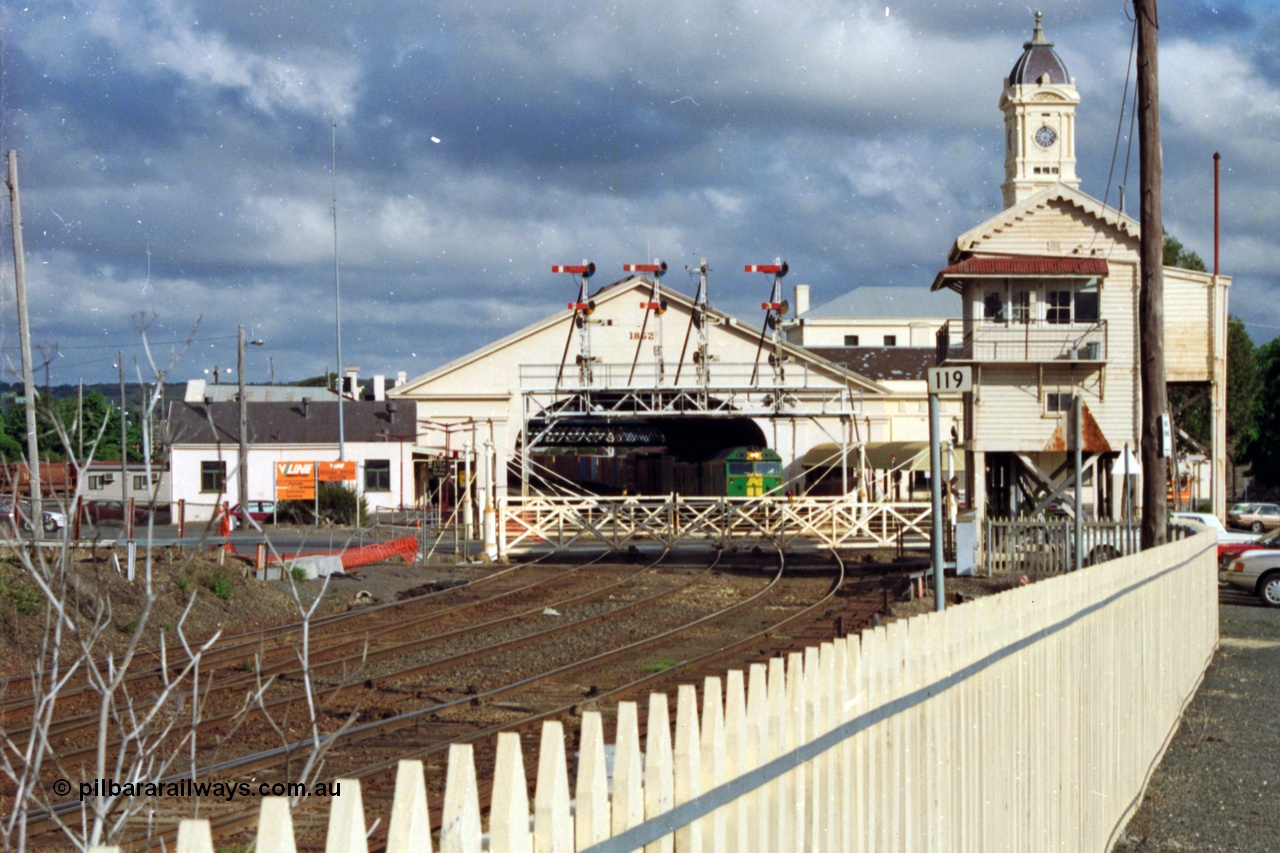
<point>950,379</point>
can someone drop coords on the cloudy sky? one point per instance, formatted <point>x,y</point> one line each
<point>175,159</point>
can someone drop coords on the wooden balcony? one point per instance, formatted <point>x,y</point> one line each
<point>1032,342</point>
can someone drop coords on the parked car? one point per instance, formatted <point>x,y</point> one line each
<point>114,511</point>
<point>1259,573</point>
<point>19,515</point>
<point>1230,550</point>
<point>1209,520</point>
<point>263,512</point>
<point>1255,517</point>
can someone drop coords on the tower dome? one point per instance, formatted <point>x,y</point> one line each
<point>1039,105</point>
<point>1039,62</point>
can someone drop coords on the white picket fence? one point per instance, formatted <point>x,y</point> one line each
<point>1028,721</point>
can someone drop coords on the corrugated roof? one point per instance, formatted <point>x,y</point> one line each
<point>888,303</point>
<point>285,423</point>
<point>1042,266</point>
<point>881,363</point>
<point>268,393</point>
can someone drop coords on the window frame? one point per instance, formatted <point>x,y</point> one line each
<point>375,471</point>
<point>217,469</point>
<point>851,340</point>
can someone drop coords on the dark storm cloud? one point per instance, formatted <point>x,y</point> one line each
<point>176,156</point>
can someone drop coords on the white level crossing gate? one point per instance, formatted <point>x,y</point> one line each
<point>557,523</point>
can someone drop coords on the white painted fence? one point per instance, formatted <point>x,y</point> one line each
<point>1028,721</point>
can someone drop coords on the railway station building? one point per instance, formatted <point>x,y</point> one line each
<point>1049,289</point>
<point>621,400</point>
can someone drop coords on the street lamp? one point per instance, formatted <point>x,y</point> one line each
<point>242,478</point>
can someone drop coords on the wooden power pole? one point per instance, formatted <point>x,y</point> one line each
<point>1151,293</point>
<point>24,338</point>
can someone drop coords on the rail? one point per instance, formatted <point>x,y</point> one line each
<point>1045,710</point>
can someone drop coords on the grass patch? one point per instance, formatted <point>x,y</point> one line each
<point>660,666</point>
<point>298,573</point>
<point>220,585</point>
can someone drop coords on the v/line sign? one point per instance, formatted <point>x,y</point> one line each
<point>296,481</point>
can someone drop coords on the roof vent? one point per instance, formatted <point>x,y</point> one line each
<point>391,411</point>
<point>306,407</point>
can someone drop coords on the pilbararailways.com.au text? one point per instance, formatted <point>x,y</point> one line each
<point>187,789</point>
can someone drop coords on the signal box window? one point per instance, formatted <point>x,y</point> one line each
<point>1022,306</point>
<point>377,475</point>
<point>993,306</point>
<point>851,340</point>
<point>1058,306</point>
<point>1087,304</point>
<point>213,476</point>
<point>97,482</point>
<point>891,340</point>
<point>1056,402</point>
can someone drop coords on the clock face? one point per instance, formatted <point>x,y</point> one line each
<point>1046,136</point>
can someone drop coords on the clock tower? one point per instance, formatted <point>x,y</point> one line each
<point>1039,106</point>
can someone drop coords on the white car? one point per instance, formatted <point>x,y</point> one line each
<point>1258,572</point>
<point>1211,521</point>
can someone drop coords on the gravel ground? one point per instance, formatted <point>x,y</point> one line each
<point>1216,788</point>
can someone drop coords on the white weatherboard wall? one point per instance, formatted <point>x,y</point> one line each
<point>1028,720</point>
<point>185,472</point>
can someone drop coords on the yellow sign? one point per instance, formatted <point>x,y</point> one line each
<point>336,472</point>
<point>295,481</point>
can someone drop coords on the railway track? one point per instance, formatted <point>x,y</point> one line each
<point>680,626</point>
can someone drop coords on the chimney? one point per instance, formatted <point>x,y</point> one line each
<point>401,378</point>
<point>306,407</point>
<point>379,387</point>
<point>802,299</point>
<point>350,386</point>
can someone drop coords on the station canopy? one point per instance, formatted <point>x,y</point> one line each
<point>883,456</point>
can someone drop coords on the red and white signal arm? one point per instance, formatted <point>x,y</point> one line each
<point>779,269</point>
<point>658,268</point>
<point>586,268</point>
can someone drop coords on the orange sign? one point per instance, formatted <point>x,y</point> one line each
<point>337,472</point>
<point>295,481</point>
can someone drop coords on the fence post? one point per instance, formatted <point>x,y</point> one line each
<point>194,835</point>
<point>628,774</point>
<point>658,790</point>
<point>509,807</point>
<point>687,782</point>
<point>410,828</point>
<point>552,824</point>
<point>592,795</point>
<point>275,827</point>
<point>798,730</point>
<point>758,751</point>
<point>713,762</point>
<point>737,759</point>
<point>781,836</point>
<point>346,820</point>
<point>460,825</point>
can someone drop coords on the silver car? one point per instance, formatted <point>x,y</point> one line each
<point>1258,572</point>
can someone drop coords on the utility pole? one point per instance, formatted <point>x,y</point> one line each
<point>1151,292</point>
<point>337,297</point>
<point>242,474</point>
<point>24,336</point>
<point>124,434</point>
<point>242,477</point>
